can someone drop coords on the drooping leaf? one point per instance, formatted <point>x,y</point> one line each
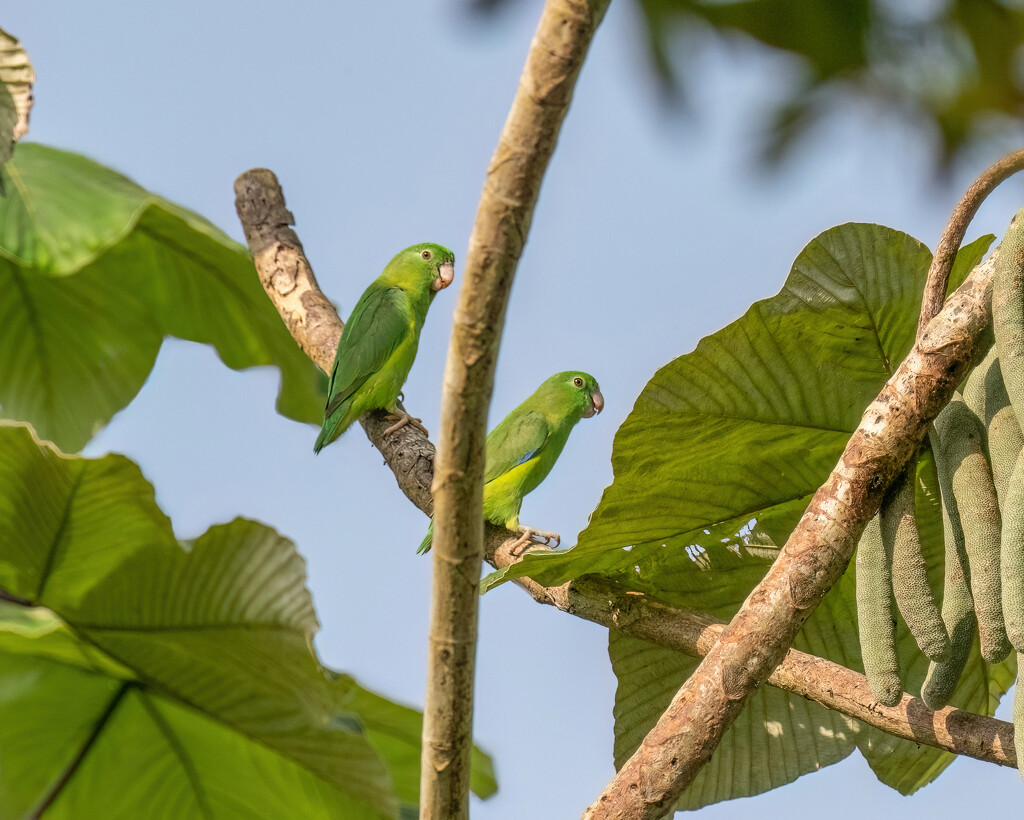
<point>16,80</point>
<point>196,657</point>
<point>97,271</point>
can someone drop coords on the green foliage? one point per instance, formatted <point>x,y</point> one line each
<point>714,466</point>
<point>96,272</point>
<point>195,658</point>
<point>395,733</point>
<point>953,67</point>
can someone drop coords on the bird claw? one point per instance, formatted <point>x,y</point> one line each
<point>404,419</point>
<point>526,535</point>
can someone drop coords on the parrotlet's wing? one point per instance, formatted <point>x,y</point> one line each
<point>519,437</point>
<point>377,325</point>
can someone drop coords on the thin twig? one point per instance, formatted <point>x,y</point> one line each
<point>955,230</point>
<point>503,218</point>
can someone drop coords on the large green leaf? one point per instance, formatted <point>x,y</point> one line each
<point>747,426</point>
<point>196,657</point>
<point>96,272</point>
<point>713,468</point>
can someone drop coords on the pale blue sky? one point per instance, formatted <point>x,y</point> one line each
<point>651,232</point>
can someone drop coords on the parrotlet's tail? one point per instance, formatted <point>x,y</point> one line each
<point>329,431</point>
<point>428,539</point>
<point>321,441</point>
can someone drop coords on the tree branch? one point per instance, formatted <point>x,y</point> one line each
<point>310,317</point>
<point>835,687</point>
<point>503,218</point>
<point>292,288</point>
<point>812,560</point>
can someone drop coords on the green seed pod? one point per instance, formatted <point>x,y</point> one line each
<point>1005,443</point>
<point>1005,440</point>
<point>975,386</point>
<point>957,610</point>
<point>1013,556</point>
<point>876,617</point>
<point>986,395</point>
<point>969,497</point>
<point>914,595</point>
<point>1008,312</point>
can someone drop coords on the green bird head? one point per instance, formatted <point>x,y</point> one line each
<point>425,262</point>
<point>579,389</point>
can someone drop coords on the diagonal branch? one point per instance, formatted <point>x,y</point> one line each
<point>288,279</point>
<point>812,560</point>
<point>604,602</point>
<point>290,284</point>
<point>503,218</point>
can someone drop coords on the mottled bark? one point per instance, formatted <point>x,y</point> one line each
<point>17,78</point>
<point>834,686</point>
<point>288,279</point>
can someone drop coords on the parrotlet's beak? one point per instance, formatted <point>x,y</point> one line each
<point>445,275</point>
<point>596,405</point>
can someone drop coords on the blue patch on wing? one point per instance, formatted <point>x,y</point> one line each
<point>526,457</point>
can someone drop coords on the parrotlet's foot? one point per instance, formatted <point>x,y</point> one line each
<point>526,535</point>
<point>401,419</point>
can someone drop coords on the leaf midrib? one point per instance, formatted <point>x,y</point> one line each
<point>76,762</point>
<point>191,772</point>
<point>58,537</point>
<point>157,688</point>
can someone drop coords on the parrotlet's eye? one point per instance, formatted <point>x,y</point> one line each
<point>426,254</point>
<point>578,381</point>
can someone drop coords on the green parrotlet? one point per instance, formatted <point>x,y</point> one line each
<point>523,448</point>
<point>378,345</point>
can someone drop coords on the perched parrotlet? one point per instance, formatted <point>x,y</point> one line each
<point>378,345</point>
<point>523,448</point>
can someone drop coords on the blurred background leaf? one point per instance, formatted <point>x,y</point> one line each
<point>953,68</point>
